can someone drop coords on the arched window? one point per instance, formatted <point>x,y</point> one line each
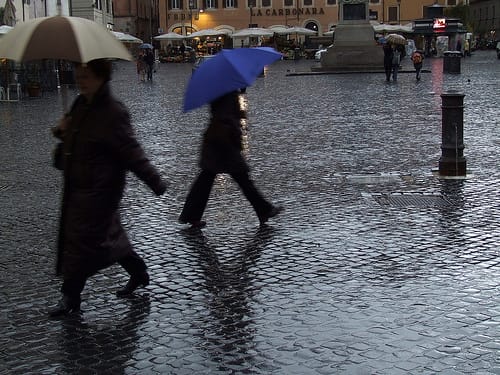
<point>312,26</point>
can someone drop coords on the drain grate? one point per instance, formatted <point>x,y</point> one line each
<point>4,187</point>
<point>415,200</point>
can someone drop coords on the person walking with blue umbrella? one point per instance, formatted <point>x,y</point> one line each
<point>222,153</point>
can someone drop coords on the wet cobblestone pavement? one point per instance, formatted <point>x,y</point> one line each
<point>376,266</point>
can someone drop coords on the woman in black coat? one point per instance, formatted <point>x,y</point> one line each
<point>98,148</point>
<point>222,153</point>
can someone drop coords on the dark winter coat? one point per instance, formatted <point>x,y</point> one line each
<point>98,148</point>
<point>388,53</point>
<point>222,143</point>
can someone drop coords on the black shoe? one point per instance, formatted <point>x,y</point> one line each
<point>65,306</point>
<point>134,283</point>
<point>195,224</point>
<point>272,213</point>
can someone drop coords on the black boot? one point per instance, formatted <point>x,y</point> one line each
<point>65,306</point>
<point>135,282</point>
<point>272,213</point>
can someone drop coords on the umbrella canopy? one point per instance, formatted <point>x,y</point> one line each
<point>4,29</point>
<point>281,30</point>
<point>233,69</point>
<point>126,38</point>
<point>66,38</point>
<point>9,13</point>
<point>146,46</point>
<point>301,31</point>
<point>386,28</point>
<point>252,32</point>
<point>169,36</point>
<point>395,39</point>
<point>207,32</point>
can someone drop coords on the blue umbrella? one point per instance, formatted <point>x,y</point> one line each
<point>146,46</point>
<point>229,70</point>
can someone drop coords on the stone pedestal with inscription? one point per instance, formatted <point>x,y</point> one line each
<point>354,47</point>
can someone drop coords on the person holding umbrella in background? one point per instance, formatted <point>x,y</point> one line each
<point>387,58</point>
<point>417,58</point>
<point>98,148</point>
<point>149,60</point>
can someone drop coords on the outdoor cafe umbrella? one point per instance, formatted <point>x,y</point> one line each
<point>395,39</point>
<point>169,36</point>
<point>207,32</point>
<point>4,29</point>
<point>252,32</point>
<point>233,69</point>
<point>126,38</point>
<point>67,38</point>
<point>301,31</point>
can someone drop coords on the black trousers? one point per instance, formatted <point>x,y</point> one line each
<point>197,198</point>
<point>73,286</point>
<point>388,71</point>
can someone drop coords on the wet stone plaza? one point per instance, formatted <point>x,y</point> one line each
<point>376,266</point>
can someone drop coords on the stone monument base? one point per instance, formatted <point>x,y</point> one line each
<point>354,49</point>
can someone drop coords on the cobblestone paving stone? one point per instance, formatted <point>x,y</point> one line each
<point>340,283</point>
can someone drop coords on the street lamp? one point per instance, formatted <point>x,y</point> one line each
<point>191,7</point>
<point>251,4</point>
<point>399,11</point>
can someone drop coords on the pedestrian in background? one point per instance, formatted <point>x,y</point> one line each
<point>98,148</point>
<point>387,59</point>
<point>396,60</point>
<point>221,152</point>
<point>149,59</point>
<point>417,58</point>
<point>141,67</point>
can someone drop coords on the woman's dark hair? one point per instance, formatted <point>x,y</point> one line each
<point>100,67</point>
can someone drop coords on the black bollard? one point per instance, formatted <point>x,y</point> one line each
<point>452,161</point>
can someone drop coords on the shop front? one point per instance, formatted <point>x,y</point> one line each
<point>436,35</point>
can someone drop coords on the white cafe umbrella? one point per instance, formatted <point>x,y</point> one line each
<point>126,38</point>
<point>279,29</point>
<point>60,37</point>
<point>169,36</point>
<point>207,32</point>
<point>4,29</point>
<point>301,31</point>
<point>252,32</point>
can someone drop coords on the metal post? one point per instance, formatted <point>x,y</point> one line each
<point>452,161</point>
<point>191,6</point>
<point>251,10</point>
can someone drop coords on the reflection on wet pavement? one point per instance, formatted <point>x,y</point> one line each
<point>376,266</point>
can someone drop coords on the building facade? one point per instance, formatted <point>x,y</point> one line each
<point>485,18</point>
<point>186,16</point>
<point>137,17</point>
<point>100,11</point>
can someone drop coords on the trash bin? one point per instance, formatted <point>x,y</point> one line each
<point>451,62</point>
